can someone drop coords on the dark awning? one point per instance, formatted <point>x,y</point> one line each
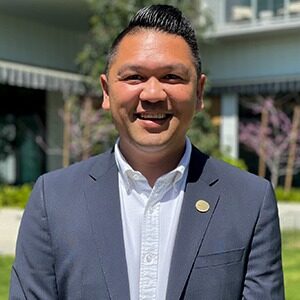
<point>263,85</point>
<point>40,78</point>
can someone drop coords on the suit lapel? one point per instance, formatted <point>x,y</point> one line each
<point>201,184</point>
<point>103,203</point>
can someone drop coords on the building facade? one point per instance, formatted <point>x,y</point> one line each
<point>40,41</point>
<point>253,48</point>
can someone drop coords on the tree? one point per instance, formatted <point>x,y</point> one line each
<point>274,136</point>
<point>92,130</point>
<point>204,134</point>
<point>294,140</point>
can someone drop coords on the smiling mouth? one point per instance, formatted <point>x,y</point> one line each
<point>153,116</point>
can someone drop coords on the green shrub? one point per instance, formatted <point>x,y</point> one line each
<point>292,196</point>
<point>237,162</point>
<point>14,196</point>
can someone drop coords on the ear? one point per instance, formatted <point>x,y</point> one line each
<point>104,86</point>
<point>200,92</point>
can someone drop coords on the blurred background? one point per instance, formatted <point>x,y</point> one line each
<point>51,55</point>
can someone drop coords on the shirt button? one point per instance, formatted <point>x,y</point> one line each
<point>148,258</point>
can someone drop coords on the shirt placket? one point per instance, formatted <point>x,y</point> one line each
<point>150,249</point>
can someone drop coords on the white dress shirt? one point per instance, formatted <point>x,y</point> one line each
<point>150,218</point>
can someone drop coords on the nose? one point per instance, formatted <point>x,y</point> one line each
<point>153,91</point>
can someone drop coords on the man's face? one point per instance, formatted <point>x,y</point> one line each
<point>152,91</point>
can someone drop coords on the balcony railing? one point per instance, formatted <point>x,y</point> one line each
<point>257,15</point>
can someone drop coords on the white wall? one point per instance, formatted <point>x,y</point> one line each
<point>34,43</point>
<point>229,125</point>
<point>261,57</point>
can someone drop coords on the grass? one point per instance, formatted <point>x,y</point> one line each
<point>291,264</point>
<point>5,267</point>
<point>290,256</point>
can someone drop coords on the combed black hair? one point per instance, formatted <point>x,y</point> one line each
<point>165,18</point>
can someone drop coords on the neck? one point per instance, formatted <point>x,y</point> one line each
<point>152,164</point>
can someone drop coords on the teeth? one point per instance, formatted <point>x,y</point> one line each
<point>152,116</point>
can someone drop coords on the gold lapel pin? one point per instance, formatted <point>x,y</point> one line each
<point>202,206</point>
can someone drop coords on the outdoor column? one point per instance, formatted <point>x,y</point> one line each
<point>8,169</point>
<point>54,125</point>
<point>229,135</point>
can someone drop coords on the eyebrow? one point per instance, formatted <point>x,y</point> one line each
<point>172,67</point>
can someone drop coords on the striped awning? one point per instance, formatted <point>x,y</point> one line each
<point>263,85</point>
<point>27,76</point>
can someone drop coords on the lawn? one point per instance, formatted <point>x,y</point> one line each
<point>5,266</point>
<point>291,265</point>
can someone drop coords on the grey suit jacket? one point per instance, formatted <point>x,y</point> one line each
<point>70,243</point>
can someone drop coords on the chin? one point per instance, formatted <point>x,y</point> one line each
<point>154,146</point>
<point>150,145</point>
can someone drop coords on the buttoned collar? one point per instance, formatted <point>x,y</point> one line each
<point>131,178</point>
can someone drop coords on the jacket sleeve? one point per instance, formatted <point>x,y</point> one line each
<point>33,274</point>
<point>264,276</point>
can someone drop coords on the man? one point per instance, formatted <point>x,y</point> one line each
<point>154,218</point>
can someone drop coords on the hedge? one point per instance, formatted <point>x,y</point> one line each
<point>14,196</point>
<point>292,196</point>
<point>17,196</point>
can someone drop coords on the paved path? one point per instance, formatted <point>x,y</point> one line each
<point>10,218</point>
<point>9,225</point>
<point>289,215</point>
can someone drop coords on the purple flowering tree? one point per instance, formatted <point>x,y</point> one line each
<point>271,141</point>
<point>90,129</point>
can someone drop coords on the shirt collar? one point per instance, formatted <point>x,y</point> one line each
<point>129,175</point>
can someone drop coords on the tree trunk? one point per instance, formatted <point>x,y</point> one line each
<point>262,150</point>
<point>86,131</point>
<point>275,174</point>
<point>67,132</point>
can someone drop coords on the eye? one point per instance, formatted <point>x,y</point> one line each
<point>173,78</point>
<point>133,78</point>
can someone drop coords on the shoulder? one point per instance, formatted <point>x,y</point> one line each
<point>77,172</point>
<point>227,171</point>
<point>62,187</point>
<point>243,194</point>
<point>229,176</point>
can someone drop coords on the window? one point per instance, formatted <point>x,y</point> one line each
<point>269,9</point>
<point>294,7</point>
<point>245,11</point>
<point>238,10</point>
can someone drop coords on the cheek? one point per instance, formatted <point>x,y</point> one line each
<point>182,93</point>
<point>184,103</point>
<point>125,90</point>
<point>186,112</point>
<point>125,96</point>
<point>121,111</point>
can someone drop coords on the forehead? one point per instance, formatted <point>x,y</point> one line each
<point>152,47</point>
